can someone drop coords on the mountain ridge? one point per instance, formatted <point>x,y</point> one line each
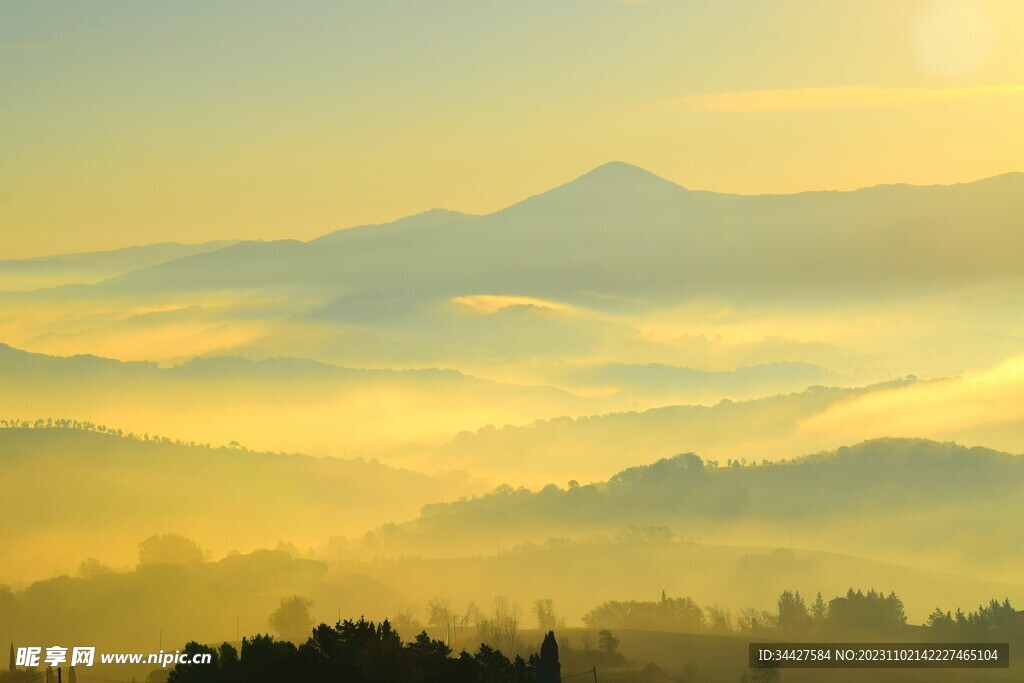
<point>613,168</point>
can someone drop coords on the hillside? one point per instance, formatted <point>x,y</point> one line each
<point>275,403</point>
<point>85,493</point>
<point>595,447</point>
<point>903,500</point>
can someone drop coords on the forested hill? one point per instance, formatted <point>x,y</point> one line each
<point>878,475</point>
<point>80,490</point>
<point>906,495</point>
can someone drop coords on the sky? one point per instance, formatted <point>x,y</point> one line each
<point>141,122</point>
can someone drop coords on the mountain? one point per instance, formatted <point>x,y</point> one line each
<point>276,403</point>
<point>91,267</point>
<point>670,381</point>
<point>432,219</point>
<point>618,267</point>
<point>619,231</point>
<point>566,315</point>
<point>591,448</point>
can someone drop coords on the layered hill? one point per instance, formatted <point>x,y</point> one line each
<point>913,501</point>
<point>74,493</point>
<point>87,268</point>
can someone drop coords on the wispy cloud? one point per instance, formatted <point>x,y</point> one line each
<point>951,408</point>
<point>839,98</point>
<point>492,303</point>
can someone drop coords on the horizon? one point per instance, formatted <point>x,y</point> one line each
<point>135,120</point>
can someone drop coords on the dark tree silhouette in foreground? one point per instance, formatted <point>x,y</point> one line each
<point>364,652</point>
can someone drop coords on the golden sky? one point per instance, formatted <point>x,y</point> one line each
<point>130,123</point>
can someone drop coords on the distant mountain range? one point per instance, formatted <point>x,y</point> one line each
<point>87,268</point>
<point>226,398</point>
<point>621,234</point>
<point>591,327</point>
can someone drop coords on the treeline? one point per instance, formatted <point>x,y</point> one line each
<point>86,426</point>
<point>997,621</point>
<point>856,615</point>
<point>364,652</point>
<point>686,486</point>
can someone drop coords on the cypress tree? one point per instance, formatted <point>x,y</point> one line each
<point>548,668</point>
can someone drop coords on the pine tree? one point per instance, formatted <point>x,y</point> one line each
<point>819,611</point>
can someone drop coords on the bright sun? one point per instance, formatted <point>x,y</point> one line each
<point>953,38</point>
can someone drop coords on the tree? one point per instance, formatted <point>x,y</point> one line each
<point>546,665</point>
<point>941,624</point>
<point>439,612</point>
<point>169,549</point>
<point>793,616</point>
<point>291,619</point>
<point>606,642</point>
<point>544,609</point>
<point>501,630</point>
<point>819,611</point>
<point>719,619</point>
<point>196,673</point>
<point>671,614</point>
<point>870,614</point>
<point>229,665</point>
<point>756,622</point>
<point>90,568</point>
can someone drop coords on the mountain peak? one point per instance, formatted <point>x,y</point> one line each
<point>619,179</point>
<point>615,183</point>
<point>620,171</point>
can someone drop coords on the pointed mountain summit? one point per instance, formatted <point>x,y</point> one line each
<point>614,184</point>
<point>622,233</point>
<point>621,173</point>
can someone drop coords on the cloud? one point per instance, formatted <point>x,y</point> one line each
<point>839,98</point>
<point>942,409</point>
<point>492,303</point>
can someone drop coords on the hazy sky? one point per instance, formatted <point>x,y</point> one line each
<point>138,122</point>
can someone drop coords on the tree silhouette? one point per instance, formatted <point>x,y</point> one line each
<point>866,614</point>
<point>819,612</point>
<point>291,619</point>
<point>546,665</point>
<point>169,549</point>
<point>793,615</point>
<point>544,609</point>
<point>196,673</point>
<point>606,642</point>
